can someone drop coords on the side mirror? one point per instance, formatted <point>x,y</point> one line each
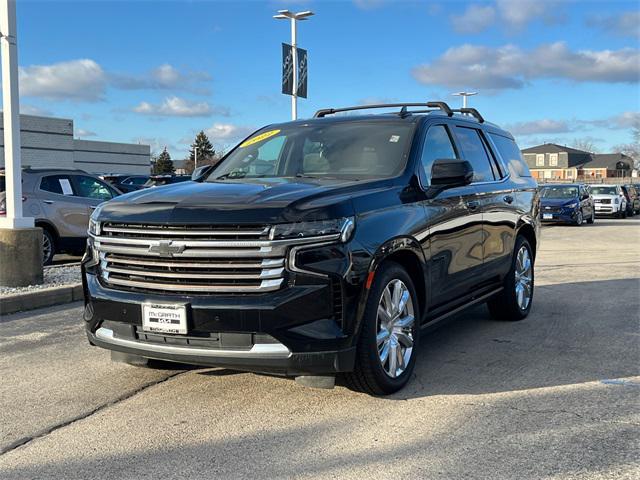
<point>450,172</point>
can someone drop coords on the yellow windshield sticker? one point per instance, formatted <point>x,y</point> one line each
<point>259,138</point>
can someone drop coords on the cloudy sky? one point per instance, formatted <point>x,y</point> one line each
<point>158,72</point>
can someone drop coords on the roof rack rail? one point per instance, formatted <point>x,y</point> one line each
<point>471,111</point>
<point>403,108</point>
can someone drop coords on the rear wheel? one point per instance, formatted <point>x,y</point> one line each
<point>592,218</point>
<point>48,247</point>
<point>514,302</point>
<point>386,351</point>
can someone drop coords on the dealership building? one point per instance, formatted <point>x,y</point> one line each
<point>49,143</point>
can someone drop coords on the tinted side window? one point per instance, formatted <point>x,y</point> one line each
<point>91,188</point>
<point>437,144</point>
<point>60,184</point>
<point>475,153</point>
<point>512,156</point>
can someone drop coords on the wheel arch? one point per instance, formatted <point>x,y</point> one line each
<point>528,232</point>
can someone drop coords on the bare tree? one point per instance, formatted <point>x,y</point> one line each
<point>631,149</point>
<point>586,144</point>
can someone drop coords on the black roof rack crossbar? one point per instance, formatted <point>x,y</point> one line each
<point>471,111</point>
<point>403,108</point>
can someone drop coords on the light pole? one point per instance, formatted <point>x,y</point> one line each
<point>464,96</point>
<point>195,157</point>
<point>294,17</point>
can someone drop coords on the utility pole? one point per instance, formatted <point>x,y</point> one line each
<point>11,116</point>
<point>464,96</point>
<point>20,242</point>
<point>195,157</point>
<point>294,17</point>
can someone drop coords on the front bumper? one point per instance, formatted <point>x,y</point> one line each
<point>563,216</point>
<point>301,329</point>
<point>607,209</point>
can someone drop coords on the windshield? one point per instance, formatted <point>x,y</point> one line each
<point>559,192</point>
<point>355,150</point>
<point>603,191</point>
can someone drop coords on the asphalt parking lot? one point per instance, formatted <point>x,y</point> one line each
<point>554,396</point>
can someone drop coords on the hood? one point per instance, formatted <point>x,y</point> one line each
<point>557,202</point>
<point>252,201</point>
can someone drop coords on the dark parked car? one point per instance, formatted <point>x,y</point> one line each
<point>126,183</point>
<point>318,247</point>
<point>159,180</point>
<point>566,203</point>
<point>633,199</point>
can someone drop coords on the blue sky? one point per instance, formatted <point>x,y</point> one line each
<point>158,72</point>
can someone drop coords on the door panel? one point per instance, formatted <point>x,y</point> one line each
<point>67,212</point>
<point>454,244</point>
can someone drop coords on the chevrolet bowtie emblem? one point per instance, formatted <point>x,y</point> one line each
<point>165,248</point>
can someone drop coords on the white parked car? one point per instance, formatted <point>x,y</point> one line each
<point>609,200</point>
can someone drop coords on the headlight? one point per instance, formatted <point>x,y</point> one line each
<point>341,228</point>
<point>94,223</point>
<point>572,205</point>
<point>617,201</point>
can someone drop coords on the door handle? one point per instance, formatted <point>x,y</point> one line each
<point>508,199</point>
<point>473,205</point>
<point>48,202</point>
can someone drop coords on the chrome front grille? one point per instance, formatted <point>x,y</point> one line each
<point>190,259</point>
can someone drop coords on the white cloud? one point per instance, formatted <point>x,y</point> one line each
<point>226,133</point>
<point>514,15</point>
<point>77,80</point>
<point>626,24</point>
<point>475,18</point>
<point>82,133</point>
<point>164,77</point>
<point>537,127</point>
<point>33,110</point>
<point>156,144</point>
<point>178,107</point>
<point>509,67</point>
<point>368,4</point>
<point>620,121</point>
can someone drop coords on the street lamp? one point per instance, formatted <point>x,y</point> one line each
<point>464,96</point>
<point>195,157</point>
<point>294,17</point>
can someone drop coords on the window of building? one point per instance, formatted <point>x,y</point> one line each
<point>540,160</point>
<point>553,159</point>
<point>547,174</point>
<point>569,173</point>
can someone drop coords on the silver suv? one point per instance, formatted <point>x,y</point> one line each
<point>61,202</point>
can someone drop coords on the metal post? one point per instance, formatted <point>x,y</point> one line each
<point>195,157</point>
<point>11,116</point>
<point>294,53</point>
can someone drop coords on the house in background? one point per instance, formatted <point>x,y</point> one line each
<point>552,162</point>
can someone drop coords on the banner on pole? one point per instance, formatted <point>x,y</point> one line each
<point>287,69</point>
<point>301,91</point>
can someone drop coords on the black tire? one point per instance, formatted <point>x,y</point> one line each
<point>592,218</point>
<point>369,375</point>
<point>579,218</point>
<point>624,213</point>
<point>48,247</point>
<point>504,306</point>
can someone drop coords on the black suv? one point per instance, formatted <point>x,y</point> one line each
<point>319,247</point>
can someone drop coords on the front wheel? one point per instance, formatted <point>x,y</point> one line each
<point>514,302</point>
<point>579,218</point>
<point>386,350</point>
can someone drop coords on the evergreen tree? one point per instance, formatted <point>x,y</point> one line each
<point>206,153</point>
<point>164,164</point>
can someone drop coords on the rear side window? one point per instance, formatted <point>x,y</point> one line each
<point>475,153</point>
<point>437,144</point>
<point>60,184</point>
<point>511,155</point>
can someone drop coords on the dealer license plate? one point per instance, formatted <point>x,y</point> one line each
<point>547,216</point>
<point>160,318</point>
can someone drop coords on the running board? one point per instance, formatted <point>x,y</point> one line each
<point>475,301</point>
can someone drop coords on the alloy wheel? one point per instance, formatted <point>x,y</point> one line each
<point>46,248</point>
<point>524,278</point>
<point>395,328</point>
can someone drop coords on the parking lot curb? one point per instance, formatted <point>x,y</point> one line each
<point>47,297</point>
